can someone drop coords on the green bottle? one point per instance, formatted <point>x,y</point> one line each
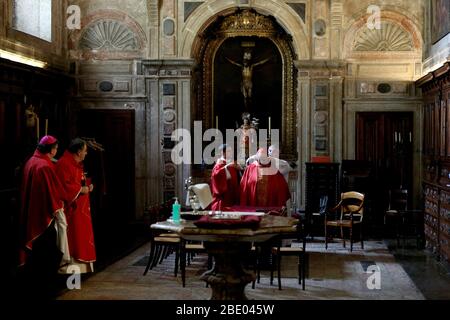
<point>176,211</point>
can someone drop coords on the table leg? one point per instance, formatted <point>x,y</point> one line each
<point>228,277</point>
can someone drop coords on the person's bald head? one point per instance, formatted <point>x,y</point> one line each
<point>261,155</point>
<point>274,151</point>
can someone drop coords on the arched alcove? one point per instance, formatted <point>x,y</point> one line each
<point>217,81</point>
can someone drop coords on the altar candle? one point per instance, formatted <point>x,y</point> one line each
<point>37,128</point>
<point>46,126</point>
<point>217,122</point>
<point>269,127</point>
<point>410,137</point>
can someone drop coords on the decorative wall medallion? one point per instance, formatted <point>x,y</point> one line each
<point>109,35</point>
<point>106,86</point>
<point>168,27</point>
<point>321,117</point>
<point>320,28</point>
<point>169,116</point>
<point>169,169</point>
<point>391,37</point>
<point>384,88</point>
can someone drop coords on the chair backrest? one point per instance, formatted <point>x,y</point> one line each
<point>323,204</point>
<point>353,202</point>
<point>203,193</point>
<point>398,199</point>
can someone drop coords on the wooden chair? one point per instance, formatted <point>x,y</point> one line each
<point>278,251</point>
<point>398,203</point>
<point>349,212</point>
<point>162,244</point>
<point>187,251</point>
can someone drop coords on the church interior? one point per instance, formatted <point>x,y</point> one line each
<point>354,94</point>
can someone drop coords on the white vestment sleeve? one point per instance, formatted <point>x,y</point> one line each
<point>61,239</point>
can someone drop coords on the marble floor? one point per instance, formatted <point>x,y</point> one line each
<point>333,274</point>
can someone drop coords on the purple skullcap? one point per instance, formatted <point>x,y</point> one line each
<point>47,140</point>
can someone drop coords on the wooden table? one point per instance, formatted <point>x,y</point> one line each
<point>230,247</point>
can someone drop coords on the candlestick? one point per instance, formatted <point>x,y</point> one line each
<point>46,126</point>
<point>37,128</point>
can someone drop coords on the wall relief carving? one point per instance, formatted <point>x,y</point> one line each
<point>109,35</point>
<point>391,37</point>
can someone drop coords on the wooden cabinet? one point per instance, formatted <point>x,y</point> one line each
<point>436,160</point>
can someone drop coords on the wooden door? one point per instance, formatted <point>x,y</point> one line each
<point>112,171</point>
<point>385,139</point>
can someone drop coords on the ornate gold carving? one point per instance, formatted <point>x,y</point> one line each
<point>245,22</point>
<point>205,78</point>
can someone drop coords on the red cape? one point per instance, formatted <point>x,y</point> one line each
<point>40,199</point>
<point>274,192</point>
<point>78,210</point>
<point>225,191</point>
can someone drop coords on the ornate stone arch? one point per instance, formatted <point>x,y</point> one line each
<point>233,25</point>
<point>202,17</point>
<point>108,34</point>
<point>399,37</point>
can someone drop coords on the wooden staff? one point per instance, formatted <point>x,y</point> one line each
<point>37,128</point>
<point>46,126</point>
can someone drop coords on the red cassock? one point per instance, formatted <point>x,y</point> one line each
<point>263,190</point>
<point>77,208</point>
<point>225,191</point>
<point>40,198</point>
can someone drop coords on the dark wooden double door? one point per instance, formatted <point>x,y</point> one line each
<point>385,140</point>
<point>112,172</point>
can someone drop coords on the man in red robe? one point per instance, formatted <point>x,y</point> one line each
<point>225,180</point>
<point>76,198</point>
<point>262,184</point>
<point>41,213</point>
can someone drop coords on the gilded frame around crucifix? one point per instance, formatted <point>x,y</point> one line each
<point>245,23</point>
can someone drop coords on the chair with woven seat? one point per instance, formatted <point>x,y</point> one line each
<point>162,244</point>
<point>349,212</point>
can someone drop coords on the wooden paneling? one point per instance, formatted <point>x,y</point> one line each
<point>436,160</point>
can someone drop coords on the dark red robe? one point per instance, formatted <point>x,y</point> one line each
<point>225,191</point>
<point>78,210</point>
<point>40,198</point>
<point>261,190</point>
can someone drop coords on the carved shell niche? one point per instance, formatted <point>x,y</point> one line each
<point>109,35</point>
<point>390,37</point>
